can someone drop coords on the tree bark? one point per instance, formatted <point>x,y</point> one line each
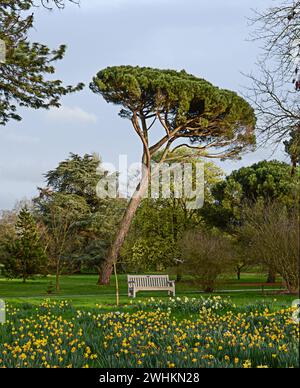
<point>294,166</point>
<point>271,276</point>
<point>114,252</point>
<point>179,276</point>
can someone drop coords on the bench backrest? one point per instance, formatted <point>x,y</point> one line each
<point>155,281</point>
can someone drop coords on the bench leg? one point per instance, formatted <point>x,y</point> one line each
<point>131,293</point>
<point>172,292</point>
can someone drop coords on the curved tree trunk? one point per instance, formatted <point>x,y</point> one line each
<point>114,252</point>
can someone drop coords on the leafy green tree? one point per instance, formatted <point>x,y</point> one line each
<point>224,211</point>
<point>242,261</point>
<point>64,218</point>
<point>159,224</point>
<point>90,227</point>
<point>151,243</point>
<point>99,231</point>
<point>23,76</point>
<point>265,180</point>
<point>76,175</point>
<point>215,122</point>
<point>26,254</point>
<point>262,182</point>
<point>292,148</point>
<point>8,221</point>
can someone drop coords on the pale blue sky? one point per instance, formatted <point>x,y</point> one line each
<point>206,37</point>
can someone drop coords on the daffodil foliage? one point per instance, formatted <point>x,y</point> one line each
<point>217,335</point>
<point>24,71</point>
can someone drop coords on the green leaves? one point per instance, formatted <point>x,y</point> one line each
<point>266,180</point>
<point>26,255</point>
<point>80,225</point>
<point>146,88</point>
<point>190,107</point>
<point>76,175</point>
<point>23,79</point>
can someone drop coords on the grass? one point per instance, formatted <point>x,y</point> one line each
<point>83,291</point>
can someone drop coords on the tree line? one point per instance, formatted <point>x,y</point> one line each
<point>249,219</point>
<point>191,118</point>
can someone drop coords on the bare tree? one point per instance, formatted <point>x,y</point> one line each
<point>273,235</point>
<point>276,104</point>
<point>272,94</point>
<point>278,28</point>
<point>206,258</point>
<point>58,3</point>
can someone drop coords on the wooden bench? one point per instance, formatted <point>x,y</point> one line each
<point>150,283</point>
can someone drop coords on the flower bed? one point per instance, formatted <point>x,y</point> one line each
<point>56,335</point>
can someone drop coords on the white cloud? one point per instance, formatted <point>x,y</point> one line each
<point>74,114</point>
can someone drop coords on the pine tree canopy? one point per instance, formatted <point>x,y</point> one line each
<point>23,75</point>
<point>188,108</point>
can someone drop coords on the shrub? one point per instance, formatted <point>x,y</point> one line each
<point>206,257</point>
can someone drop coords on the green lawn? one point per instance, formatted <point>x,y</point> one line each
<point>83,291</point>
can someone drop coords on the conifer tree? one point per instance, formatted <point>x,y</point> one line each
<point>25,69</point>
<point>191,112</point>
<point>26,255</point>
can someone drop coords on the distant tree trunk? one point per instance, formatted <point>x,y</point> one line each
<point>179,276</point>
<point>294,161</point>
<point>117,285</point>
<point>238,273</point>
<point>107,267</point>
<point>57,278</point>
<point>24,273</point>
<point>179,273</point>
<point>271,276</point>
